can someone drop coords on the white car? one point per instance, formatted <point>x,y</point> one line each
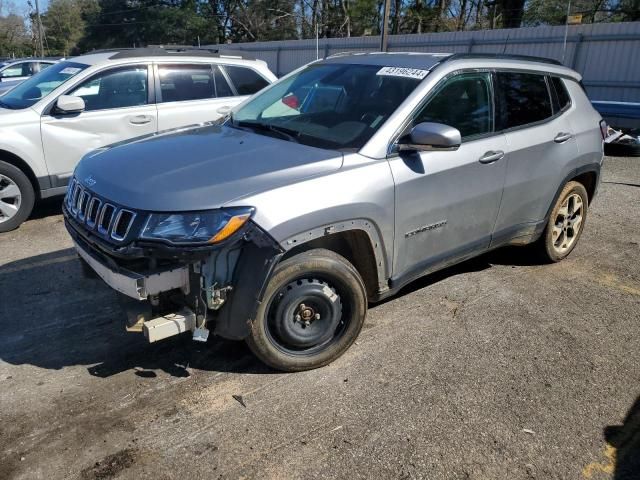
<point>20,69</point>
<point>14,71</point>
<point>50,121</point>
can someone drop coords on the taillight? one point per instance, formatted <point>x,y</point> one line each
<point>291,101</point>
<point>604,129</point>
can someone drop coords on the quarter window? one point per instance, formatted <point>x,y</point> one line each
<point>463,102</point>
<point>117,88</point>
<point>222,86</point>
<point>524,99</point>
<point>246,81</point>
<point>561,93</point>
<point>186,82</point>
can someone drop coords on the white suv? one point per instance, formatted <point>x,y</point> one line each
<point>51,120</point>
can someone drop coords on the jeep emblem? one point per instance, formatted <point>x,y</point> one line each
<point>90,181</point>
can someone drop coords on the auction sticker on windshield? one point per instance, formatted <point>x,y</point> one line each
<point>70,70</point>
<point>416,73</point>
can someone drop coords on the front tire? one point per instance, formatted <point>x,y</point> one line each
<point>565,224</point>
<point>16,197</point>
<point>313,310</point>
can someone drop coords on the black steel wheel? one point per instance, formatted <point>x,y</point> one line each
<point>313,310</point>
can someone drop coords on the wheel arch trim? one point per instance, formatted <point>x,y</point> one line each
<point>11,158</point>
<point>576,172</point>
<point>345,226</point>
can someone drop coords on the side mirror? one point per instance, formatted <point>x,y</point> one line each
<point>431,136</point>
<point>69,104</point>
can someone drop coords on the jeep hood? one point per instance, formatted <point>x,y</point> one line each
<point>198,168</point>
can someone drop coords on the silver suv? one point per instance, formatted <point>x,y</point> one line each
<point>333,188</point>
<point>48,122</point>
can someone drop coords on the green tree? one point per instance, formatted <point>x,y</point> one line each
<point>64,24</point>
<point>14,40</point>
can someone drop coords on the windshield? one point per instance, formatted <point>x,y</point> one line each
<point>335,106</point>
<point>40,85</point>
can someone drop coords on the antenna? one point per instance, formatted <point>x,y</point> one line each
<point>506,41</point>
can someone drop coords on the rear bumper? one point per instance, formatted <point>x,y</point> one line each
<point>135,285</point>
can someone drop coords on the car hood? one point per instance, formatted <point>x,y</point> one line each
<point>198,168</point>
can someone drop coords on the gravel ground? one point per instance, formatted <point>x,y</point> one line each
<point>496,369</point>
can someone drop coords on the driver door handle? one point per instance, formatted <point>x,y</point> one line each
<point>140,119</point>
<point>491,156</point>
<point>562,137</point>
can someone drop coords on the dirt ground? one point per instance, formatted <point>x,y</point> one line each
<point>499,368</point>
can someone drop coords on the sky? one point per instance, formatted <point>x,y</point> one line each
<point>21,7</point>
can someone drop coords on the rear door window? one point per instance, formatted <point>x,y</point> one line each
<point>246,81</point>
<point>180,83</point>
<point>523,99</point>
<point>43,65</point>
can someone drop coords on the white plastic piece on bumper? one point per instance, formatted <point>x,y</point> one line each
<point>135,285</point>
<point>169,325</point>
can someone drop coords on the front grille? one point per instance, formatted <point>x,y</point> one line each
<point>108,220</point>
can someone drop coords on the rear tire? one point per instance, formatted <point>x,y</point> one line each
<point>565,224</point>
<point>313,310</point>
<point>16,197</point>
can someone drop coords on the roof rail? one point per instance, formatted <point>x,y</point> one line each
<point>502,56</point>
<point>173,50</point>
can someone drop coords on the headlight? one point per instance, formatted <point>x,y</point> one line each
<point>208,227</point>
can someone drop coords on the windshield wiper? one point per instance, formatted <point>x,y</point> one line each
<point>286,133</point>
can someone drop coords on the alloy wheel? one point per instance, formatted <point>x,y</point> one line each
<point>10,198</point>
<point>567,223</point>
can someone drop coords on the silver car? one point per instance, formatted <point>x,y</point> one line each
<point>48,122</point>
<point>333,188</point>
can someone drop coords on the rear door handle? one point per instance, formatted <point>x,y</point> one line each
<point>562,137</point>
<point>491,156</point>
<point>140,119</point>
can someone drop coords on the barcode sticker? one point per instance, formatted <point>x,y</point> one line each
<point>70,71</point>
<point>416,73</point>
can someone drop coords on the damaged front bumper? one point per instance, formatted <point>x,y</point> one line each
<point>135,285</point>
<point>166,292</point>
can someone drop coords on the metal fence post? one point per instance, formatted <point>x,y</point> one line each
<point>471,44</point>
<point>278,61</point>
<point>576,51</point>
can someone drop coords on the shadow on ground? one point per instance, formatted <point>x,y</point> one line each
<point>53,317</point>
<point>626,440</point>
<point>47,208</point>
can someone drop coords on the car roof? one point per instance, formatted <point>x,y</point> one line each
<point>429,61</point>
<point>395,59</point>
<point>159,53</point>
<point>8,61</point>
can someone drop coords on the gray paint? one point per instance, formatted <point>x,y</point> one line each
<point>200,168</point>
<point>421,210</point>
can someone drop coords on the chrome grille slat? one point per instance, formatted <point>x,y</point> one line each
<point>127,226</point>
<point>83,204</point>
<point>110,221</point>
<point>94,206</point>
<point>103,216</point>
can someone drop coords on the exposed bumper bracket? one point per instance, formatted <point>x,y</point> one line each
<point>133,284</point>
